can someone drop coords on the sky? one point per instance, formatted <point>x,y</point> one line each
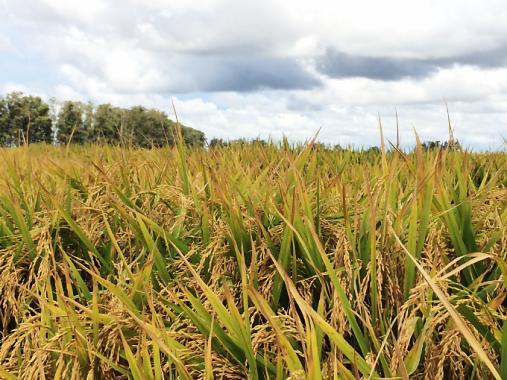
<point>272,68</point>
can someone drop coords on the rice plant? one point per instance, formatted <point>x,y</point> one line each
<point>252,261</point>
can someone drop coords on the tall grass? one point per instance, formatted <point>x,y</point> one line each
<point>252,261</point>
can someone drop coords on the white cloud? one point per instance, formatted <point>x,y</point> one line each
<point>14,87</point>
<point>239,68</point>
<point>5,43</point>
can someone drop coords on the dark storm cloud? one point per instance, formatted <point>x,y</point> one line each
<point>337,64</point>
<point>487,59</point>
<point>341,65</point>
<point>248,74</point>
<point>244,74</point>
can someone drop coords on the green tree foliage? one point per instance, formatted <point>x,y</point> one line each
<point>107,124</point>
<point>220,143</point>
<point>28,119</point>
<point>217,142</point>
<point>4,123</point>
<point>193,137</point>
<point>152,128</point>
<point>24,120</point>
<point>72,125</point>
<point>147,127</point>
<point>431,145</point>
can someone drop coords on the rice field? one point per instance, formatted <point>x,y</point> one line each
<point>252,261</point>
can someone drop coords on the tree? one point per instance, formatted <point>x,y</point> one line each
<point>28,119</point>
<point>192,137</point>
<point>4,123</point>
<point>216,142</point>
<point>431,145</point>
<point>148,127</point>
<point>18,118</point>
<point>152,128</point>
<point>374,150</point>
<point>452,145</point>
<point>71,125</point>
<point>107,124</point>
<point>40,120</point>
<point>88,121</point>
<point>24,119</point>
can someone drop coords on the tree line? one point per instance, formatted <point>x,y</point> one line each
<point>27,119</point>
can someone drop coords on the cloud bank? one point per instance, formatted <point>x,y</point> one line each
<point>269,68</point>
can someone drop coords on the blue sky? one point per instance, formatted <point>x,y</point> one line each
<point>272,67</point>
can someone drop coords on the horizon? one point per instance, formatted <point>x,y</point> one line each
<point>237,70</point>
